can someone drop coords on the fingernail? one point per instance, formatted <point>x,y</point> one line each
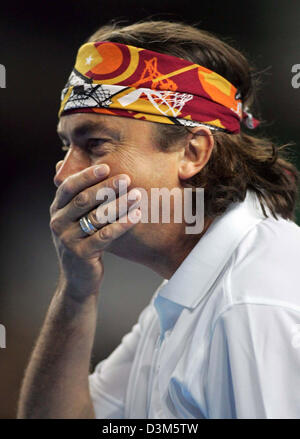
<point>137,213</point>
<point>101,171</point>
<point>134,195</point>
<point>123,179</point>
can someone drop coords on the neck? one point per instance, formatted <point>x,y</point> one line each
<point>171,257</point>
<point>163,255</point>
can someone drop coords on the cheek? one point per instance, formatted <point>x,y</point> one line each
<point>165,170</point>
<point>145,170</point>
<point>124,162</point>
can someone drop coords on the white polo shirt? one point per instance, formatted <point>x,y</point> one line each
<point>221,337</point>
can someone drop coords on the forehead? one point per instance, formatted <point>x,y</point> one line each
<point>84,123</point>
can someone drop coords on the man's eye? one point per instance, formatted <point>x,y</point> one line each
<point>89,145</point>
<point>93,143</point>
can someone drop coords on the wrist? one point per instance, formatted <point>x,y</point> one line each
<point>79,294</point>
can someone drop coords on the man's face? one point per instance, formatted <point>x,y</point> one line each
<point>129,147</point>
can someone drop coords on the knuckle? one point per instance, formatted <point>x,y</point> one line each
<point>66,188</point>
<point>81,200</point>
<point>55,225</point>
<point>52,208</point>
<point>105,233</point>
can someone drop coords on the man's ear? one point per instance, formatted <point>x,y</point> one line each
<point>196,153</point>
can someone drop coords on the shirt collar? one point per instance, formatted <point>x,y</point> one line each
<point>197,273</point>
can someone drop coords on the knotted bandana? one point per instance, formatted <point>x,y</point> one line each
<point>121,80</point>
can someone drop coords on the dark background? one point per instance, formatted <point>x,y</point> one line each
<point>38,44</point>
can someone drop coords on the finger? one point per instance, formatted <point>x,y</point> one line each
<point>76,183</point>
<point>96,195</point>
<point>99,241</point>
<point>108,212</point>
<point>86,200</point>
<point>58,166</point>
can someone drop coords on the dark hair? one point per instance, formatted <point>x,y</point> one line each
<point>238,161</point>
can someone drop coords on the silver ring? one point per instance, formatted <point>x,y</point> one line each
<point>87,226</point>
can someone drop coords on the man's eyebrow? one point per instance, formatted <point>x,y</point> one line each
<point>90,127</point>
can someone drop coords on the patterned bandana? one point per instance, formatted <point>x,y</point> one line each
<point>116,79</point>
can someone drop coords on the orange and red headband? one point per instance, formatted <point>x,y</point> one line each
<point>116,79</point>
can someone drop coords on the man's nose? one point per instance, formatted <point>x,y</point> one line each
<point>73,162</point>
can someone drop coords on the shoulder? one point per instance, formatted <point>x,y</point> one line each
<point>265,266</point>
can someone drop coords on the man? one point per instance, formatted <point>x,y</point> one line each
<point>162,105</point>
